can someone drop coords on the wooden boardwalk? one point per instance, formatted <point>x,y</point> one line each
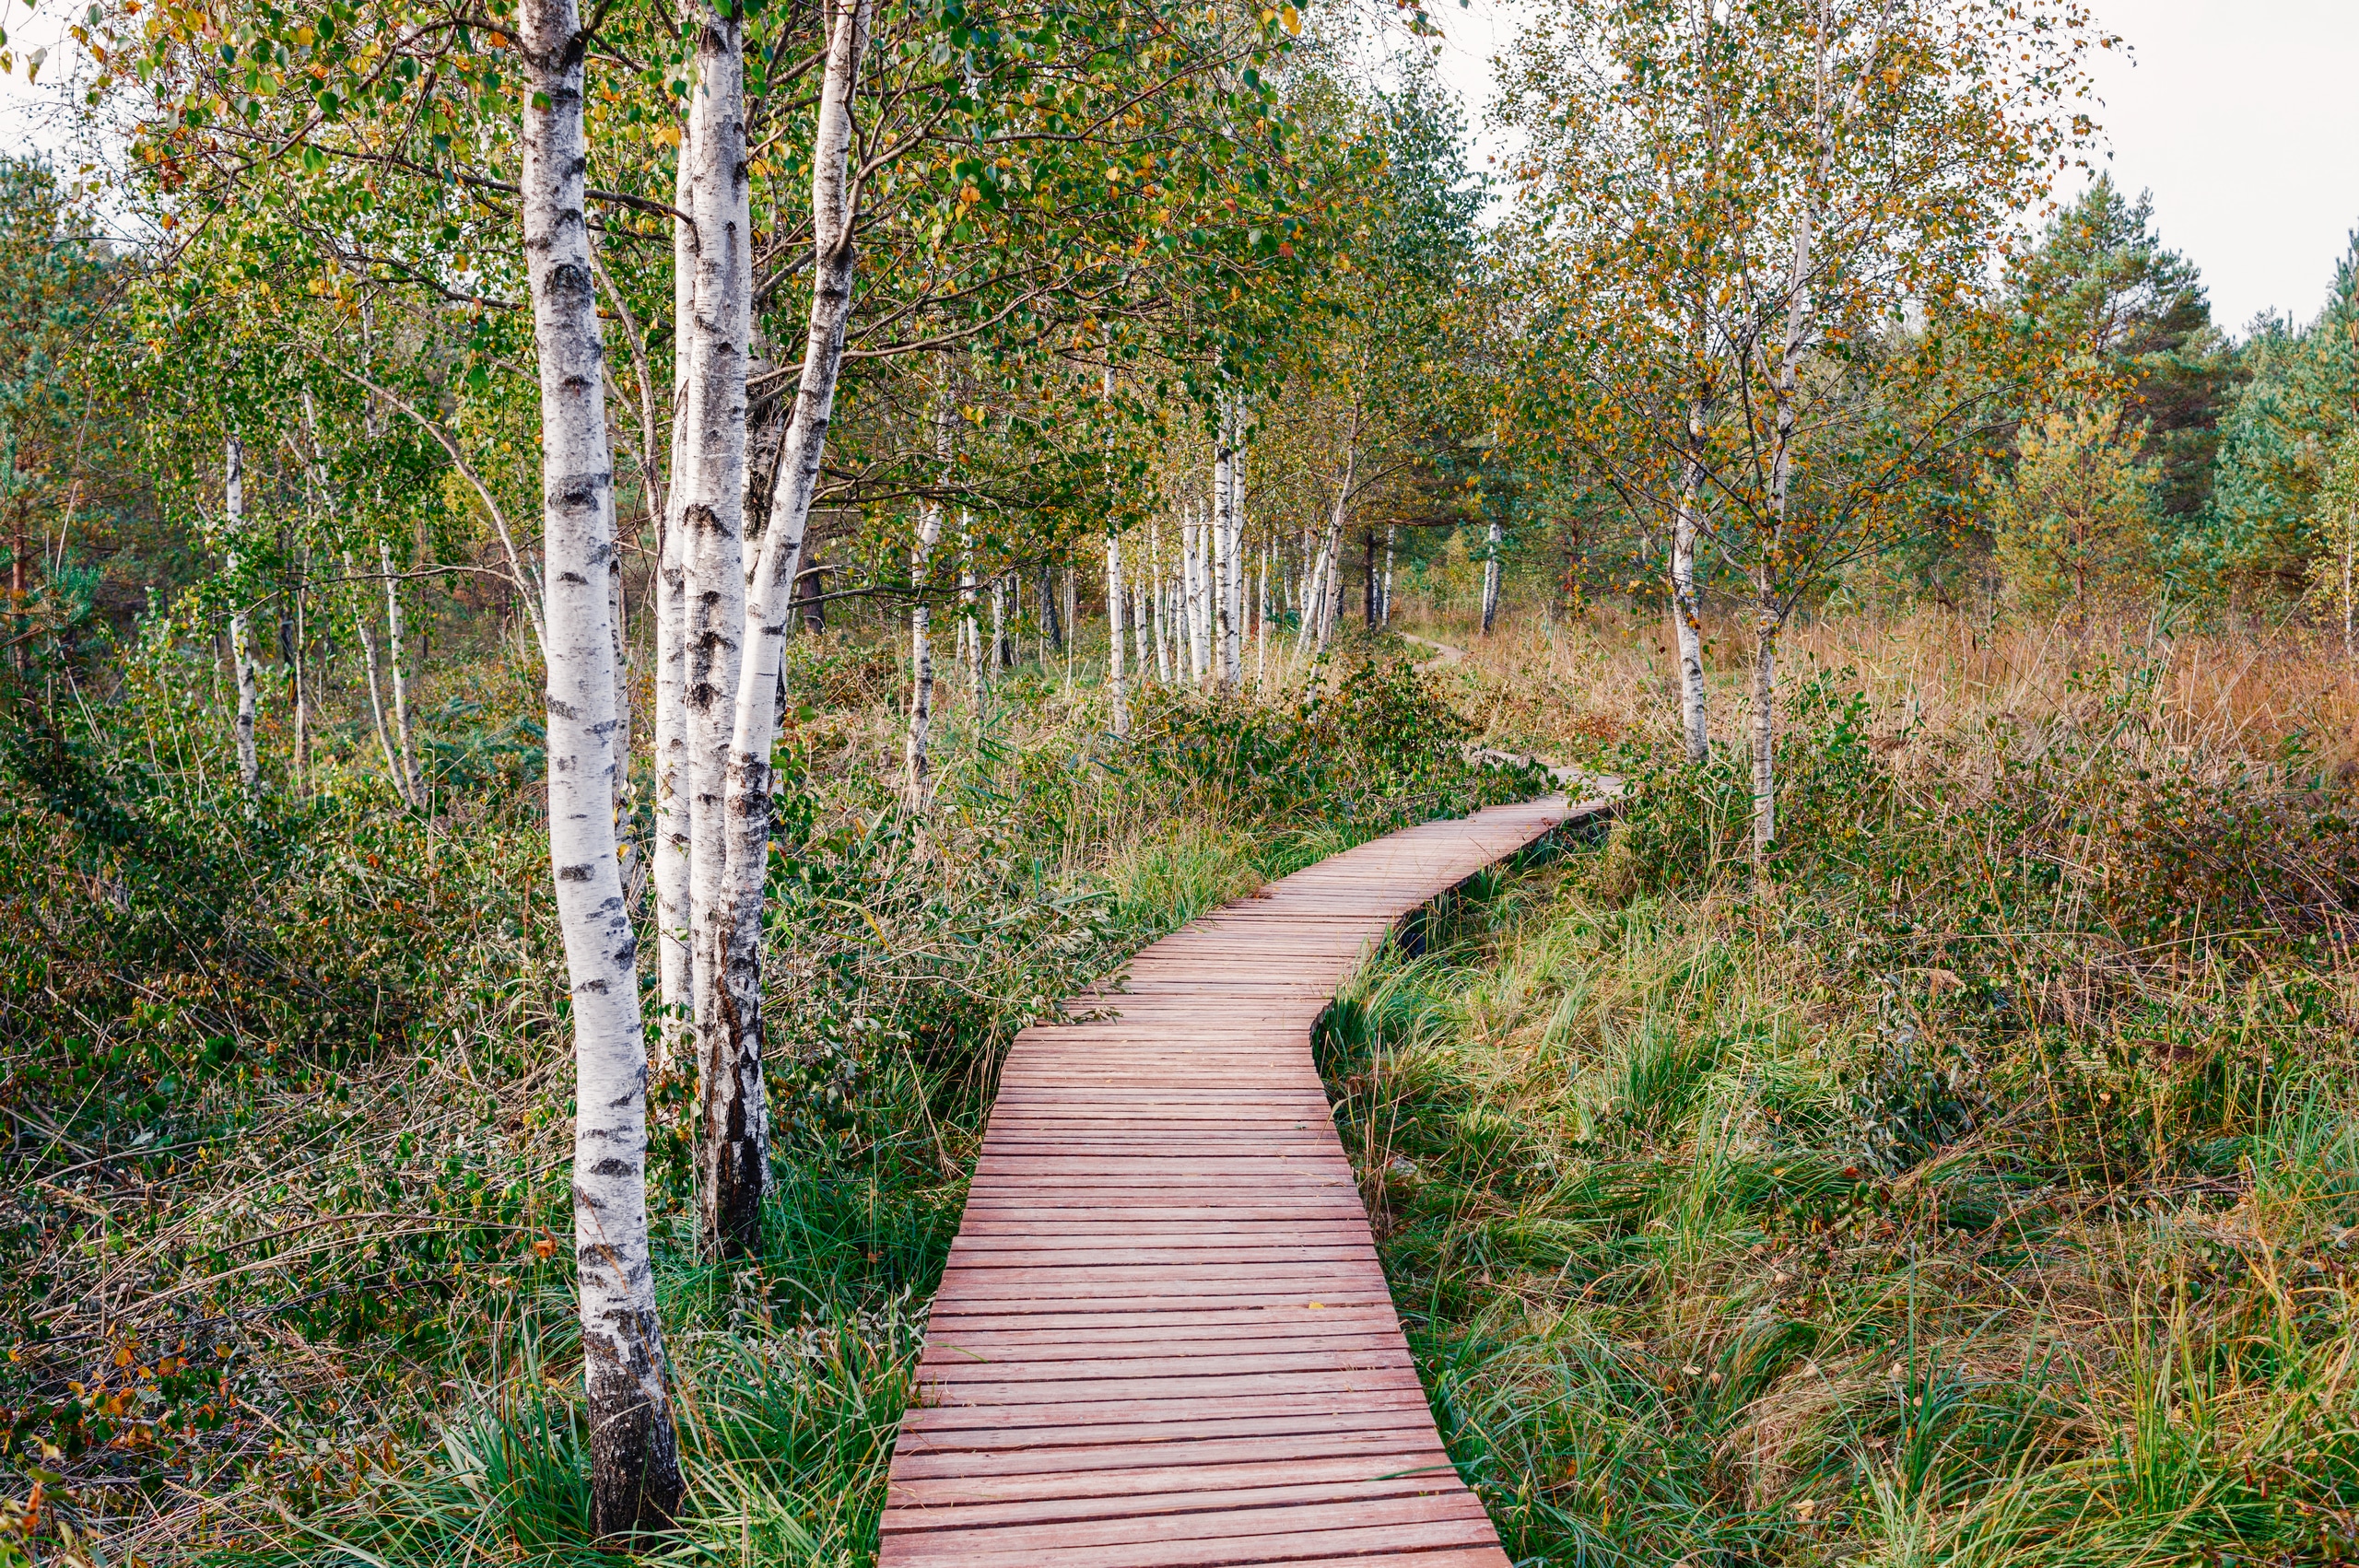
<point>1163,1338</point>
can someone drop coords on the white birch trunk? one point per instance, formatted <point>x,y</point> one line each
<point>368,639</point>
<point>1117,684</point>
<point>1262,624</point>
<point>999,621</point>
<point>297,689</point>
<point>1191,574</point>
<point>1223,622</point>
<point>1207,599</point>
<point>410,791</point>
<point>1491,577</point>
<point>769,604</point>
<point>1330,547</point>
<point>635,1474</point>
<point>1154,585</point>
<point>617,626</point>
<point>675,908</point>
<point>1233,552</point>
<point>241,637</point>
<point>1142,617</point>
<point>1686,609</point>
<point>1072,627</point>
<point>1765,718</point>
<point>1384,597</point>
<point>914,756</point>
<point>711,494</point>
<point>1173,628</point>
<point>971,623</point>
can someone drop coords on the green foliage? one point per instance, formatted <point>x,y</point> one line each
<point>2278,443</point>
<point>2073,519</point>
<point>297,1077</point>
<point>2079,825</point>
<point>1867,1222</point>
<point>2103,289</point>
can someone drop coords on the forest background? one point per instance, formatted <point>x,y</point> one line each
<point>1921,1130</point>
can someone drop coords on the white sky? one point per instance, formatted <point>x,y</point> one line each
<point>2242,116</point>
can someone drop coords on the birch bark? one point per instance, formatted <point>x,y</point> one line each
<point>1237,572</point>
<point>1331,544</point>
<point>296,673</point>
<point>674,815</point>
<point>1052,628</point>
<point>711,492</point>
<point>914,751</point>
<point>411,794</point>
<point>1117,683</point>
<point>769,603</point>
<point>1191,568</point>
<point>1223,572</point>
<point>1769,605</point>
<point>1141,614</point>
<point>1155,589</point>
<point>914,757</point>
<point>971,621</point>
<point>368,639</point>
<point>635,1475</point>
<point>1072,627</point>
<point>1686,609</point>
<point>1261,623</point>
<point>241,637</point>
<point>1491,577</point>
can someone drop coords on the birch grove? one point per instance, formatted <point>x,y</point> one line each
<point>1761,343</point>
<point>676,579</point>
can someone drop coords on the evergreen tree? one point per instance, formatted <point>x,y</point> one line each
<point>2264,528</point>
<point>2106,290</point>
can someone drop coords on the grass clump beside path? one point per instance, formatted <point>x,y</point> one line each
<point>1983,1188</point>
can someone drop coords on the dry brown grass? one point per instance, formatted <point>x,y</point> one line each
<point>1657,1237</point>
<point>2240,694</point>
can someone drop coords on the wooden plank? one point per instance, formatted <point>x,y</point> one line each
<point>1327,1409</point>
<point>1150,1467</point>
<point>1193,1472</point>
<point>1162,1338</point>
<point>1273,1487</point>
<point>1212,1536</point>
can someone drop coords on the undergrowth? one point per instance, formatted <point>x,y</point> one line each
<point>281,1257</point>
<point>1982,1187</point>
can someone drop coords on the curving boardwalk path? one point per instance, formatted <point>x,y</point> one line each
<point>1163,1340</point>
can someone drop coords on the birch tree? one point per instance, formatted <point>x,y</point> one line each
<point>717,332</point>
<point>1493,539</point>
<point>242,650</point>
<point>1903,143</point>
<point>743,1136</point>
<point>1756,248</point>
<point>634,1473</point>
<point>915,751</point>
<point>1117,686</point>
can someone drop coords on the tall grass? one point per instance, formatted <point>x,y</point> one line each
<point>284,1271</point>
<point>1978,1188</point>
